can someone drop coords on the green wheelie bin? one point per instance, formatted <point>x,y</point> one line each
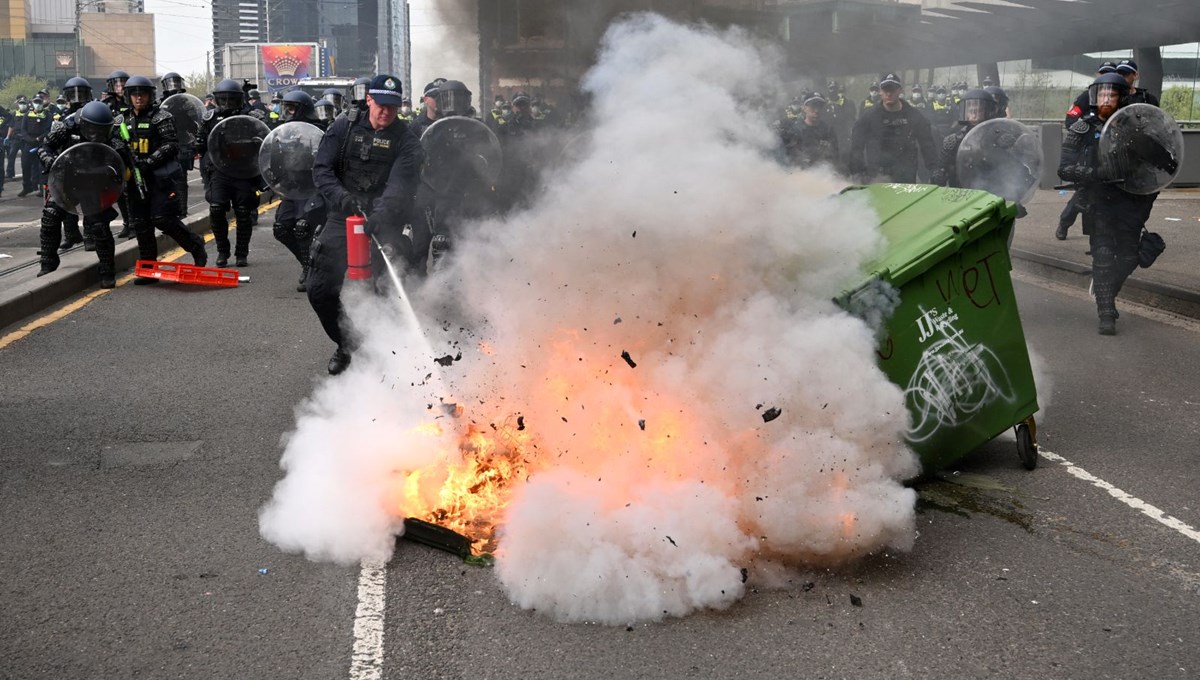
<point>954,343</point>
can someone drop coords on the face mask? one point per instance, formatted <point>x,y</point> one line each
<point>22,107</point>
<point>406,110</point>
<point>37,107</point>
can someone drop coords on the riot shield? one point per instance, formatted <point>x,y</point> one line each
<point>233,145</point>
<point>286,158</point>
<point>457,148</point>
<point>1142,145</point>
<point>1003,157</point>
<point>188,112</point>
<point>86,178</point>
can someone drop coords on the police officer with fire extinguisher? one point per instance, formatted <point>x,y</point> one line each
<point>370,167</point>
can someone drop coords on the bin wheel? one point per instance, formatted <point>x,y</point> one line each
<point>1026,448</point>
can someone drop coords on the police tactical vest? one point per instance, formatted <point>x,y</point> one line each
<point>367,158</point>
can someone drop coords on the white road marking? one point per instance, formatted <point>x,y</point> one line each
<point>1126,498</point>
<point>366,661</point>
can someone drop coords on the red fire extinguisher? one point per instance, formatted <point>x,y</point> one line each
<point>358,249</point>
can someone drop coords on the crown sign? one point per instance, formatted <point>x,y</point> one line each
<point>287,65</point>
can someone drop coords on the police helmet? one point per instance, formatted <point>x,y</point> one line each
<point>116,81</point>
<point>253,94</point>
<point>324,110</point>
<point>95,122</point>
<point>453,98</point>
<point>520,99</point>
<point>976,106</point>
<point>172,82</point>
<point>1001,98</point>
<point>77,90</point>
<point>1109,82</point>
<point>297,105</point>
<point>228,95</point>
<point>334,95</point>
<point>358,91</point>
<point>140,84</point>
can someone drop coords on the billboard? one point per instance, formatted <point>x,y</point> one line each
<point>285,64</point>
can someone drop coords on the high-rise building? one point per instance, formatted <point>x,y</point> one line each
<point>237,21</point>
<point>395,44</point>
<point>348,30</point>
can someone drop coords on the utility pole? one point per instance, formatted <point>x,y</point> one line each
<point>78,36</point>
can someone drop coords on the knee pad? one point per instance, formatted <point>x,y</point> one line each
<point>1104,256</point>
<point>284,232</point>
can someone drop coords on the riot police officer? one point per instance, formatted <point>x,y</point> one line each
<point>887,138</point>
<point>78,92</point>
<point>292,226</point>
<point>222,190</point>
<point>114,93</point>
<point>369,166</point>
<point>1112,218</point>
<point>336,96</point>
<point>429,112</point>
<point>456,180</point>
<point>976,107</point>
<point>1078,108</point>
<point>93,122</point>
<point>172,84</point>
<point>358,100</point>
<point>154,186</point>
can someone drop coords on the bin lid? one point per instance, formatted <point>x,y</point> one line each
<point>925,224</point>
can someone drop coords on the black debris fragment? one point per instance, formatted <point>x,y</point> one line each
<point>444,361</point>
<point>855,600</point>
<point>758,407</point>
<point>635,233</point>
<point>771,414</point>
<point>642,424</point>
<point>628,359</point>
<point>745,574</point>
<point>434,536</point>
<point>808,586</point>
<point>672,541</point>
<point>520,423</point>
<point>616,321</point>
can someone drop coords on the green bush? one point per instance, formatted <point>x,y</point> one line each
<point>1181,102</point>
<point>18,85</point>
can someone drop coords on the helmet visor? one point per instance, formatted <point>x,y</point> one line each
<point>975,111</point>
<point>95,132</point>
<point>78,95</point>
<point>228,100</point>
<point>172,84</point>
<point>453,102</point>
<point>336,100</point>
<point>290,110</point>
<point>325,113</point>
<point>1105,95</point>
<point>359,91</point>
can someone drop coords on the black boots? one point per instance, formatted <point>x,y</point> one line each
<point>339,361</point>
<point>1108,323</point>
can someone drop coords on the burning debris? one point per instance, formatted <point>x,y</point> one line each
<point>541,465</point>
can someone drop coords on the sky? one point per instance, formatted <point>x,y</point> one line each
<point>182,34</point>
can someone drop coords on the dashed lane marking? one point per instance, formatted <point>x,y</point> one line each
<point>366,660</point>
<point>1128,499</point>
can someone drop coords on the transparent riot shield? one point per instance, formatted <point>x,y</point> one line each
<point>188,112</point>
<point>233,145</point>
<point>285,159</point>
<point>457,148</point>
<point>86,178</point>
<point>1003,157</point>
<point>1143,145</point>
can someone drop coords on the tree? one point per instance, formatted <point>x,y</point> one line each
<point>199,83</point>
<point>1180,102</point>
<point>18,85</point>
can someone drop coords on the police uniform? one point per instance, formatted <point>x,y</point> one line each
<point>224,191</point>
<point>29,130</point>
<point>63,135</point>
<point>156,201</point>
<point>358,169</point>
<point>808,145</point>
<point>884,144</point>
<point>5,125</point>
<point>1113,218</point>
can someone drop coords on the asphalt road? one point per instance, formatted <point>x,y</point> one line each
<point>140,435</point>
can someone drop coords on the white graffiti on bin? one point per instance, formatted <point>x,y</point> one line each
<point>953,381</point>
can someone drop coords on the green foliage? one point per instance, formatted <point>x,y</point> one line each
<point>1181,102</point>
<point>198,83</point>
<point>18,85</point>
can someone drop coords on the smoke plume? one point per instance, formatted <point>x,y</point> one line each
<point>659,323</point>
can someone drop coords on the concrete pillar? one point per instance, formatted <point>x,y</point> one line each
<point>1150,69</point>
<point>990,69</point>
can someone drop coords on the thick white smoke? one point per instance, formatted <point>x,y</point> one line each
<point>658,477</point>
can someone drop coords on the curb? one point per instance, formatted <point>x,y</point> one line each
<point>1149,293</point>
<point>38,294</point>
